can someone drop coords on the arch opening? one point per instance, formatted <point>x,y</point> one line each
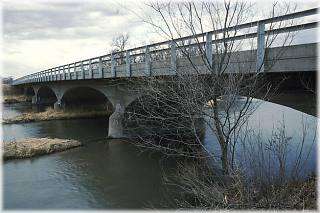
<point>46,96</point>
<point>86,98</point>
<point>29,91</point>
<point>155,119</point>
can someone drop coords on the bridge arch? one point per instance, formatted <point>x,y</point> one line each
<point>45,95</point>
<point>29,91</point>
<point>86,97</point>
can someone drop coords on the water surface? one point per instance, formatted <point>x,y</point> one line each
<point>107,174</point>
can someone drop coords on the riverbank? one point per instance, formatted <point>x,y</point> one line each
<point>13,95</point>
<point>51,114</point>
<point>236,192</point>
<point>12,99</point>
<point>31,147</point>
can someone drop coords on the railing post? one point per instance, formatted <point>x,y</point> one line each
<point>128,66</point>
<point>46,76</point>
<point>173,57</point>
<point>209,48</point>
<point>100,68</point>
<point>82,71</point>
<point>90,70</point>
<point>64,72</point>
<point>61,77</point>
<point>57,73</point>
<point>51,74</point>
<point>113,68</point>
<point>75,71</point>
<point>68,72</point>
<point>54,74</point>
<point>191,48</point>
<point>147,61</point>
<point>260,47</point>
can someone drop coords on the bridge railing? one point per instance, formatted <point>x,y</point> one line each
<point>137,61</point>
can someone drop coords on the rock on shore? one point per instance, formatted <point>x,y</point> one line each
<point>31,147</point>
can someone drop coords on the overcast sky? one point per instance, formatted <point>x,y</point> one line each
<point>38,34</point>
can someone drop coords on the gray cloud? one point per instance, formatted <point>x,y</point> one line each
<point>56,20</point>
<point>40,34</point>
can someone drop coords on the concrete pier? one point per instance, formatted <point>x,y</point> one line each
<point>116,122</point>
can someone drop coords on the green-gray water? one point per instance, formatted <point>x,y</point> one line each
<point>104,174</point>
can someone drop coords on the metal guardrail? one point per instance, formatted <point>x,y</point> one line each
<point>105,66</point>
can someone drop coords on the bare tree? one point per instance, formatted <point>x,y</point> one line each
<point>216,88</point>
<point>118,45</point>
<point>120,42</point>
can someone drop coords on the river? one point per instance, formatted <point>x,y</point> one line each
<point>109,174</point>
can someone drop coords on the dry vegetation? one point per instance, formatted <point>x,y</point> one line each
<point>51,114</point>
<point>11,99</point>
<point>31,147</point>
<point>203,188</point>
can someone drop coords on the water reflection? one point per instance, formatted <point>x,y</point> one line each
<point>267,120</point>
<point>13,110</point>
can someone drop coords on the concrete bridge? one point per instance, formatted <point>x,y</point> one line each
<point>106,76</point>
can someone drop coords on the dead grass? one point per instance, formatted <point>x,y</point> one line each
<point>31,147</point>
<point>51,114</point>
<point>202,188</point>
